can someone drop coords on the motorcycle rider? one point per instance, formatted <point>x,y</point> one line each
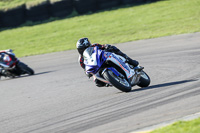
<point>5,61</point>
<point>84,43</point>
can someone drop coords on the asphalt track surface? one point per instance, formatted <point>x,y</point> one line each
<point>59,98</point>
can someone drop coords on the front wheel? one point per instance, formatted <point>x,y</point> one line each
<point>25,69</point>
<point>144,80</point>
<point>120,83</point>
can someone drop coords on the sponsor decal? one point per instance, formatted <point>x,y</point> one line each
<point>121,62</point>
<point>106,54</point>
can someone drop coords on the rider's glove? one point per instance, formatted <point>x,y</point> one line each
<point>111,48</point>
<point>107,46</point>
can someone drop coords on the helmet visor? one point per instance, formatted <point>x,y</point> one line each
<point>81,50</point>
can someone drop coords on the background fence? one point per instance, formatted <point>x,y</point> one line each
<point>57,8</point>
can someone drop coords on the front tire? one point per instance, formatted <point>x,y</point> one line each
<point>144,80</point>
<point>118,82</point>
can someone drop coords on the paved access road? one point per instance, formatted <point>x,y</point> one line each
<point>61,99</point>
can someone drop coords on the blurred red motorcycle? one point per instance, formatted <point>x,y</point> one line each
<point>11,66</point>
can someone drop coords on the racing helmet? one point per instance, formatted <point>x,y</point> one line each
<point>82,44</point>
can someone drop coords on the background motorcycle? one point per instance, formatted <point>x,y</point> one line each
<point>112,69</point>
<point>16,67</point>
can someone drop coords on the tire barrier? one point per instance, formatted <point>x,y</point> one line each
<point>133,1</point>
<point>1,12</point>
<point>107,4</point>
<point>139,1</point>
<point>0,22</point>
<point>61,8</point>
<point>12,17</point>
<point>37,11</point>
<point>85,6</point>
<point>125,2</point>
<point>34,11</point>
<point>151,0</point>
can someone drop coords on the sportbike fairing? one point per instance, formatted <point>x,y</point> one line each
<point>94,58</point>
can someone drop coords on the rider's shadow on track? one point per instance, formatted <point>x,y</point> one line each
<point>164,85</point>
<point>42,73</point>
<point>23,76</point>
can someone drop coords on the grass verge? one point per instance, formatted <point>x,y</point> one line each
<point>163,18</point>
<point>192,126</point>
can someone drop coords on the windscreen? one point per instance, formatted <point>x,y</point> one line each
<point>87,53</point>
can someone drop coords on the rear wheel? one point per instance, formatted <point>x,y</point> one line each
<point>119,82</point>
<point>25,69</point>
<point>144,80</point>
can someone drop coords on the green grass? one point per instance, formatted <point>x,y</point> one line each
<point>163,18</point>
<point>6,4</point>
<point>181,127</point>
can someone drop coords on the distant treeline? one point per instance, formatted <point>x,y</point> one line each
<point>40,11</point>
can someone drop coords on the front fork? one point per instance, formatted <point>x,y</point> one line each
<point>137,76</point>
<point>99,74</point>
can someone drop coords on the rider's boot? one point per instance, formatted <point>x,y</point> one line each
<point>132,62</point>
<point>128,59</point>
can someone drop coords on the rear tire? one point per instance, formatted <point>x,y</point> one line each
<point>115,81</point>
<point>25,69</point>
<point>144,80</point>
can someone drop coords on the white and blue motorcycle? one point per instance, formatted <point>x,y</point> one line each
<point>113,69</point>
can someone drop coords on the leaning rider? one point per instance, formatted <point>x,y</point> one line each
<point>5,61</point>
<point>84,43</point>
